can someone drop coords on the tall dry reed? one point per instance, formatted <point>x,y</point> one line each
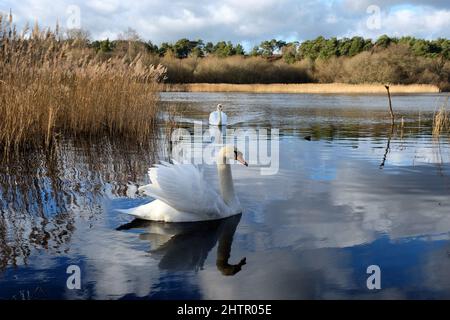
<point>51,87</point>
<point>441,121</point>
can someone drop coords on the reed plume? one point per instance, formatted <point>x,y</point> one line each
<point>441,121</point>
<point>51,86</point>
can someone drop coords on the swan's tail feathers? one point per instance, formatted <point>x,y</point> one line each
<point>131,212</point>
<point>142,212</point>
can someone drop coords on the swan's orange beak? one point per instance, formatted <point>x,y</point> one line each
<point>240,158</point>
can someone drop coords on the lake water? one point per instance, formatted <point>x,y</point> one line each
<point>358,192</point>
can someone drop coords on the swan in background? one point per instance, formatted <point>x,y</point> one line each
<point>218,118</point>
<point>182,194</point>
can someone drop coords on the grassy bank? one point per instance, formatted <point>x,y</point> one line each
<point>52,87</point>
<point>340,88</point>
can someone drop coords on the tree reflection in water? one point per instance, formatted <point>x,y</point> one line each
<point>42,194</point>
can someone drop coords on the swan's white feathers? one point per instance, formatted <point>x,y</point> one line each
<point>190,193</point>
<point>182,194</point>
<point>214,118</point>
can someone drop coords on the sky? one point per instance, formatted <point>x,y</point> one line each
<point>241,21</point>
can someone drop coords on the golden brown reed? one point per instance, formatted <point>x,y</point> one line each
<point>441,121</point>
<point>51,87</point>
<point>302,88</point>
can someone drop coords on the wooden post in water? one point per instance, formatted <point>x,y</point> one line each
<point>390,104</point>
<point>388,146</point>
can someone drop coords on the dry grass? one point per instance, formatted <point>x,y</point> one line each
<point>302,88</point>
<point>51,87</point>
<point>441,121</point>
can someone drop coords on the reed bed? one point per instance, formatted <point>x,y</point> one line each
<point>51,87</point>
<point>302,88</point>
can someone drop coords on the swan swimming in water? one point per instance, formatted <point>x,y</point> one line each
<point>182,194</point>
<point>218,118</point>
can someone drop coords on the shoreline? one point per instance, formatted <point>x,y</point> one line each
<point>306,88</point>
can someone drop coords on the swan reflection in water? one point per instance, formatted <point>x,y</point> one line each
<point>186,245</point>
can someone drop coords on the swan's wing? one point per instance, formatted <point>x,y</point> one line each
<point>214,118</point>
<point>183,187</point>
<point>224,118</point>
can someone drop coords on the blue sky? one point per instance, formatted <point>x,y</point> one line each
<point>244,21</point>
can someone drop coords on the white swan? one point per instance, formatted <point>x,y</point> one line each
<point>182,194</point>
<point>218,118</point>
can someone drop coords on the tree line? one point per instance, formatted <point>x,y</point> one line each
<point>290,52</point>
<point>404,60</point>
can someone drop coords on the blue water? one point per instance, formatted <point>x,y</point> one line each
<point>310,231</point>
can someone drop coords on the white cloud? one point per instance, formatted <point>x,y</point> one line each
<point>246,21</point>
<point>425,23</point>
<point>104,6</point>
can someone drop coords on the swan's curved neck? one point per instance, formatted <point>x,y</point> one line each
<point>226,184</point>
<point>220,116</point>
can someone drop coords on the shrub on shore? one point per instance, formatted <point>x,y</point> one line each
<point>395,64</point>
